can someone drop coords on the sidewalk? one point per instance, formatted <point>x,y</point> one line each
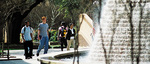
<point>20,54</point>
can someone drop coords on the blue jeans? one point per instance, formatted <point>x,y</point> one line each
<point>43,41</point>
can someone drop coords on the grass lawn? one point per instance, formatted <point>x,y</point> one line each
<point>54,46</point>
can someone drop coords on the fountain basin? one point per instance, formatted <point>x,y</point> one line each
<point>59,57</point>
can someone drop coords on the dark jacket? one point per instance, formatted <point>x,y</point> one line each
<point>69,34</point>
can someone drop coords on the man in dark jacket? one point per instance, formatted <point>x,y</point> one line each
<point>70,36</point>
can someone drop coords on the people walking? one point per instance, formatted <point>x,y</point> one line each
<point>70,36</point>
<point>26,32</point>
<point>43,35</point>
<point>62,31</point>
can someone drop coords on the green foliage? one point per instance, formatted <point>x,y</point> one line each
<point>53,36</point>
<point>73,8</point>
<point>0,51</point>
<point>67,6</point>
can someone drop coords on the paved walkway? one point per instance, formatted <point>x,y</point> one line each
<point>20,54</point>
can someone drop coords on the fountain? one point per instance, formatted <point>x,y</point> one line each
<point>124,36</point>
<point>120,44</point>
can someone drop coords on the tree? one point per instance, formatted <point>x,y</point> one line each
<point>55,13</point>
<point>141,17</point>
<point>51,11</point>
<point>130,15</point>
<point>12,13</point>
<point>72,10</point>
<point>129,10</point>
<point>101,33</point>
<point>114,27</point>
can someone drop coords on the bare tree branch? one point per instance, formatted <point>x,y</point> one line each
<point>141,17</point>
<point>31,7</point>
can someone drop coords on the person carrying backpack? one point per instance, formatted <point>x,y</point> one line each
<point>62,32</point>
<point>26,32</point>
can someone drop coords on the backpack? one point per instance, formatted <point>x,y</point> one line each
<point>63,32</point>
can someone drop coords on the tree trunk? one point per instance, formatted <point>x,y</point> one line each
<point>101,32</point>
<point>16,28</point>
<point>8,29</point>
<point>1,33</point>
<point>132,34</point>
<point>139,42</point>
<point>14,24</point>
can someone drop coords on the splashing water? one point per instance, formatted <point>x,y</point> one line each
<point>117,34</point>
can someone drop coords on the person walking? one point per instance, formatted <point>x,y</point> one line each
<point>26,32</point>
<point>62,31</point>
<point>43,36</point>
<point>70,36</point>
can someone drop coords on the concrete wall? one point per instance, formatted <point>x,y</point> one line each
<point>85,37</point>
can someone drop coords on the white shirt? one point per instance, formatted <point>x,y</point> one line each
<point>72,37</point>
